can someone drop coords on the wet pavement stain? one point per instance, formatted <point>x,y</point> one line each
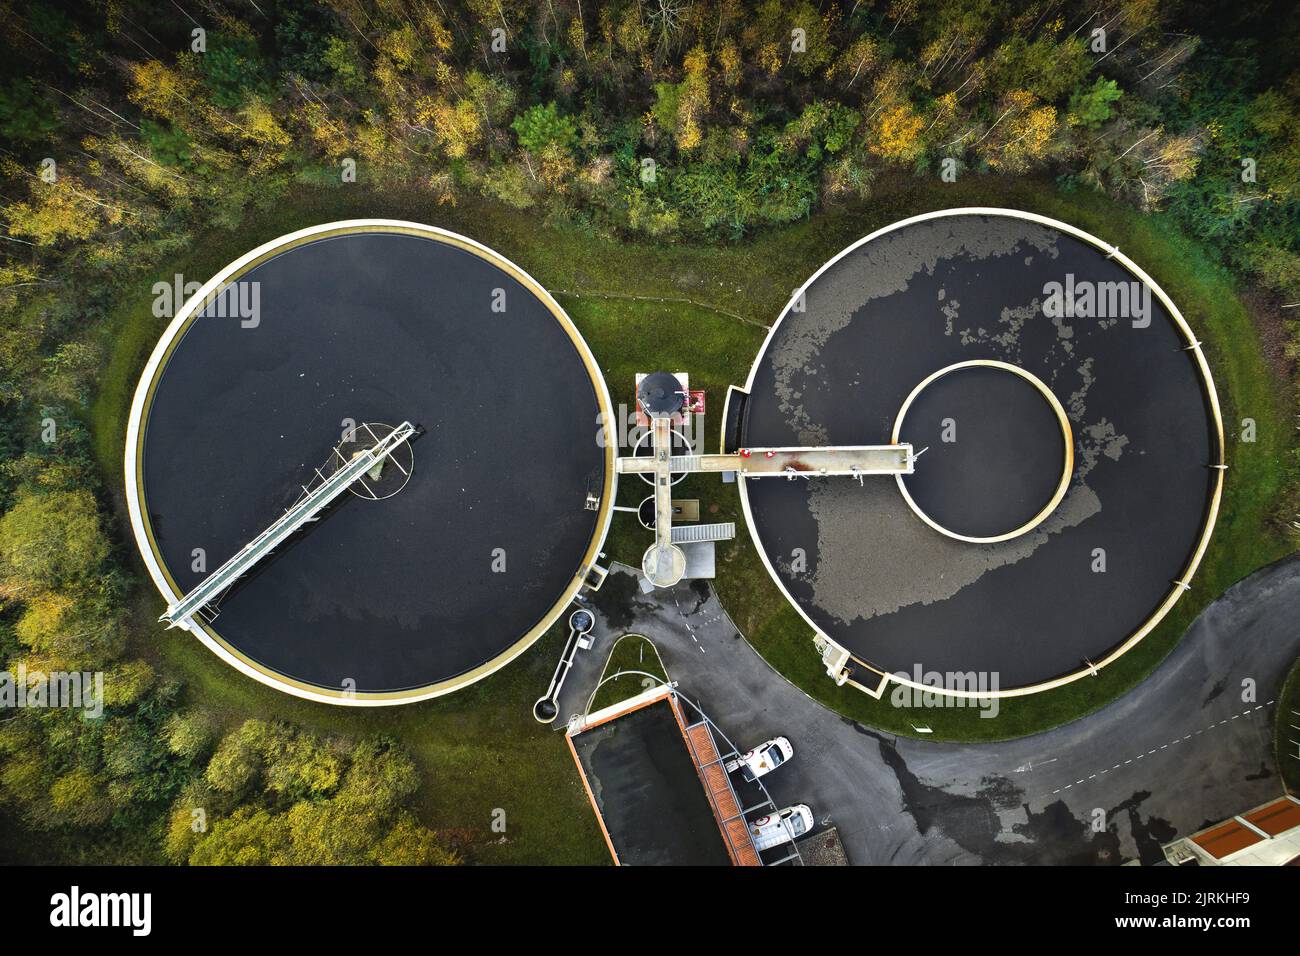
<point>1053,835</point>
<point>699,588</point>
<point>1215,691</point>
<point>970,821</point>
<point>1001,791</point>
<point>1058,837</point>
<point>1149,834</point>
<point>617,603</point>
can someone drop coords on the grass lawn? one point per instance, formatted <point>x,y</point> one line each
<point>702,309</point>
<point>631,657</point>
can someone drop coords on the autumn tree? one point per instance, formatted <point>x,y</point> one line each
<point>896,133</point>
<point>278,795</point>
<point>50,541</point>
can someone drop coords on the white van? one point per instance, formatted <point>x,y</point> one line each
<point>763,759</point>
<point>781,827</point>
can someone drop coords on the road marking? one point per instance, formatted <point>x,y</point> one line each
<point>1245,713</point>
<point>690,630</point>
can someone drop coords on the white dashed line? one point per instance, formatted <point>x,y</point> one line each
<point>689,629</point>
<point>1244,713</point>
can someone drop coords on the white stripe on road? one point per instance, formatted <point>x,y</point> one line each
<point>1244,713</point>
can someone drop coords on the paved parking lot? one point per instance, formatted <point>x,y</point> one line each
<point>1181,750</point>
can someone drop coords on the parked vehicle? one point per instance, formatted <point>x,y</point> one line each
<point>781,827</point>
<point>763,759</point>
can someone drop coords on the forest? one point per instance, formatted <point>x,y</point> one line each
<point>131,128</point>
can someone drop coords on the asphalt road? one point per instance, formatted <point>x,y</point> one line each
<point>1182,750</point>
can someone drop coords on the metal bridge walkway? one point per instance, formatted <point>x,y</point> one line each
<point>305,510</point>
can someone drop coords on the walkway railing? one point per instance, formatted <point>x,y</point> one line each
<point>305,510</point>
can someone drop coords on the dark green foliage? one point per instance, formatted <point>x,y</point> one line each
<point>27,114</point>
<point>1218,206</point>
<point>232,69</point>
<point>1046,68</point>
<point>1090,106</point>
<point>541,126</point>
<point>167,144</point>
<point>824,126</point>
<point>772,184</point>
<point>304,37</point>
<point>58,34</point>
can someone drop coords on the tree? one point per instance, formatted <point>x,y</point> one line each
<point>306,800</point>
<point>509,183</point>
<point>819,46</point>
<point>66,209</point>
<point>381,777</point>
<point>70,372</point>
<point>456,126</point>
<point>300,765</point>
<point>127,683</point>
<point>27,115</point>
<point>188,733</point>
<point>1091,107</point>
<point>823,126</point>
<point>232,70</point>
<point>162,91</point>
<point>1044,67</point>
<point>1024,133</point>
<point>78,799</point>
<point>897,134</point>
<point>183,826</point>
<point>304,37</point>
<point>407,843</point>
<point>237,764</point>
<point>71,628</point>
<point>51,540</point>
<point>542,126</point>
<point>266,141</point>
<point>248,837</point>
<point>1274,114</point>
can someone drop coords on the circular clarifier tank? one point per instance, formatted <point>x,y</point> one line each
<point>1068,452</point>
<point>998,446</point>
<point>442,565</point>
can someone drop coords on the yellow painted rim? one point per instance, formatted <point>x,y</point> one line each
<point>134,458</point>
<point>1067,435</point>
